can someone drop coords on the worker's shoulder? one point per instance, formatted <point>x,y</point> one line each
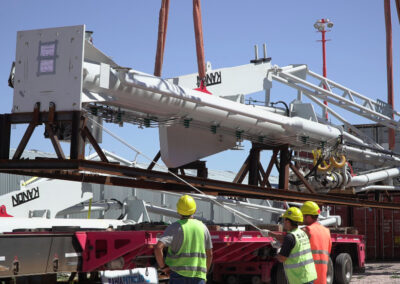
<point>289,236</point>
<point>174,227</point>
<point>322,227</point>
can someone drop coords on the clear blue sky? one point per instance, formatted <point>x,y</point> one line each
<point>127,31</point>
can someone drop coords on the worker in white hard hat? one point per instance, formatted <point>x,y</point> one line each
<point>295,253</point>
<point>320,239</point>
<point>189,246</point>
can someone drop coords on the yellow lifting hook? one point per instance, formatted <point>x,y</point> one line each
<point>336,162</point>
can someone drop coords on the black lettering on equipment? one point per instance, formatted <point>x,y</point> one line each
<point>26,196</point>
<point>211,79</point>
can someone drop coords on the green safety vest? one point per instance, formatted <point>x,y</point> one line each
<point>191,259</point>
<point>299,266</point>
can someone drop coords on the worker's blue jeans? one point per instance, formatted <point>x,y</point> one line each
<point>175,278</point>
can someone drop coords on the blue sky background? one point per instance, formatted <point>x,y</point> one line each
<point>127,31</point>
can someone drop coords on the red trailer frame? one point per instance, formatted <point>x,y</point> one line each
<point>235,253</point>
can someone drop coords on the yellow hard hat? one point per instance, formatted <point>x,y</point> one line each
<point>310,208</point>
<point>294,214</point>
<point>186,205</point>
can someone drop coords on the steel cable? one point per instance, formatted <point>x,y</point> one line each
<point>263,231</point>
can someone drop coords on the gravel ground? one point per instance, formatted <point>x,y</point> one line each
<point>379,272</point>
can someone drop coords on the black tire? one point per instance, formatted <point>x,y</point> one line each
<point>330,273</point>
<point>231,279</point>
<point>278,275</point>
<point>343,268</point>
<point>256,279</point>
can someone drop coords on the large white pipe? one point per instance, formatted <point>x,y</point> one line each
<point>249,205</point>
<point>363,180</point>
<point>378,187</point>
<point>96,206</point>
<point>9,224</point>
<point>331,221</point>
<point>370,156</point>
<point>153,95</point>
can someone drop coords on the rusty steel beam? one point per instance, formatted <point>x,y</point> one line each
<point>284,167</point>
<point>155,160</point>
<point>77,148</point>
<point>140,178</point>
<point>269,169</point>
<point>301,177</point>
<point>55,142</point>
<point>254,161</point>
<point>43,117</point>
<point>52,136</point>
<point>24,141</point>
<point>86,134</point>
<point>5,136</point>
<point>242,172</point>
<point>28,133</point>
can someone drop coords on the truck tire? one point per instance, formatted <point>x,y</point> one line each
<point>330,273</point>
<point>231,279</point>
<point>343,268</point>
<point>256,280</point>
<point>278,275</point>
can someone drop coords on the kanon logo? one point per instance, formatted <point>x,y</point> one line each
<point>211,79</point>
<point>23,197</point>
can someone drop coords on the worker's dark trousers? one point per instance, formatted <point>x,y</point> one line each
<point>175,278</point>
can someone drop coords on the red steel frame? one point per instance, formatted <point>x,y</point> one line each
<point>233,251</point>
<point>349,239</point>
<point>99,248</point>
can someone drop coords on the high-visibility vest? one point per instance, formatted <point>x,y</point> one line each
<point>321,245</point>
<point>191,259</point>
<point>299,265</point>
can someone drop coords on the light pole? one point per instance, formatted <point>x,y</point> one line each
<point>323,26</point>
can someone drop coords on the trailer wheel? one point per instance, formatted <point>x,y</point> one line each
<point>256,280</point>
<point>343,268</point>
<point>232,279</point>
<point>330,273</point>
<point>278,275</point>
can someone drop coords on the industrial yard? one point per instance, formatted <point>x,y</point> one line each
<point>378,272</point>
<point>127,156</point>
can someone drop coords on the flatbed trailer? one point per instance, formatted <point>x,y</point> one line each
<point>238,256</point>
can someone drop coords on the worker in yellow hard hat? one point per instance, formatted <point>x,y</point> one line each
<point>295,253</point>
<point>189,246</point>
<point>320,239</point>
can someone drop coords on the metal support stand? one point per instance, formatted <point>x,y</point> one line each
<point>200,166</point>
<point>77,150</point>
<point>256,174</point>
<point>271,164</point>
<point>284,168</point>
<point>28,133</point>
<point>77,168</point>
<point>254,163</point>
<point>52,136</point>
<point>79,132</point>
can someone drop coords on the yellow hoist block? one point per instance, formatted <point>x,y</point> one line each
<point>334,162</point>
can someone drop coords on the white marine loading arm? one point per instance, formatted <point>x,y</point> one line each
<point>74,75</point>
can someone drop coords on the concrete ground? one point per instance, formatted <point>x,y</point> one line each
<point>379,272</point>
